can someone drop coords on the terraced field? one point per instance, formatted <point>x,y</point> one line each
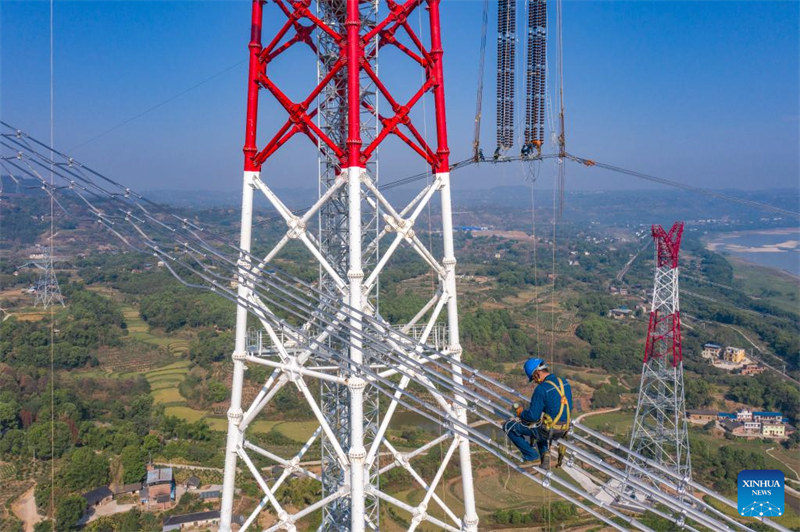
<point>164,382</point>
<point>7,471</point>
<point>139,330</point>
<point>220,423</point>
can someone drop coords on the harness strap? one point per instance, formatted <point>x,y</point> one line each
<point>549,422</point>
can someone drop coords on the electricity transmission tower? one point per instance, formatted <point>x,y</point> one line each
<point>351,232</point>
<point>660,430</point>
<point>46,290</point>
<point>300,322</point>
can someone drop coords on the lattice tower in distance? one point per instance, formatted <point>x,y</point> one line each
<point>660,431</point>
<point>46,291</point>
<point>351,231</point>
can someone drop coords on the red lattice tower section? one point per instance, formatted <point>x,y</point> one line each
<point>664,331</point>
<point>357,47</point>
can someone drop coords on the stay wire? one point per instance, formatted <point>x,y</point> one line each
<point>684,186</point>
<point>157,105</point>
<point>476,141</point>
<point>47,280</point>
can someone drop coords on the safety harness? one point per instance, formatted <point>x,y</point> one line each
<point>550,423</point>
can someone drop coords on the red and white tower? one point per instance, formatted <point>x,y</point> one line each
<point>351,232</point>
<point>660,430</point>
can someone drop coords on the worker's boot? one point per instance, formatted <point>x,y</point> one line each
<point>562,452</point>
<point>532,466</point>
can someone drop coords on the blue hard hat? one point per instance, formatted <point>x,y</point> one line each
<point>531,365</point>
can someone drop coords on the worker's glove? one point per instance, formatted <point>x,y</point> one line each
<point>518,410</point>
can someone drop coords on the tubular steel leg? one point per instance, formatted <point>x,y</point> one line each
<point>234,440</point>
<point>470,514</point>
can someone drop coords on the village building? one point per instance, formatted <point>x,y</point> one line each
<point>210,493</point>
<point>771,430</point>
<point>752,369</point>
<point>701,417</point>
<point>159,489</point>
<point>127,489</point>
<point>748,424</point>
<point>191,521</point>
<point>734,427</point>
<point>620,313</point>
<point>768,417</point>
<point>752,426</point>
<point>711,351</point>
<point>735,355</point>
<point>98,496</point>
<point>192,483</point>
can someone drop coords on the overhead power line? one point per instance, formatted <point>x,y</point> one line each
<point>158,105</point>
<point>200,259</point>
<point>685,186</point>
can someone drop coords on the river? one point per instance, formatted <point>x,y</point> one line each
<point>774,248</point>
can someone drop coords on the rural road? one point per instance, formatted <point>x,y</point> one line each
<point>25,509</point>
<point>601,411</point>
<point>188,466</point>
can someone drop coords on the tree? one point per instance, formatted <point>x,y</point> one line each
<point>44,442</point>
<point>13,442</point>
<point>8,415</point>
<point>133,459</point>
<point>43,526</point>
<point>69,511</point>
<point>85,470</point>
<point>698,393</point>
<point>151,443</point>
<point>606,396</point>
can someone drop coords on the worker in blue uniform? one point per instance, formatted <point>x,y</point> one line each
<point>546,419</point>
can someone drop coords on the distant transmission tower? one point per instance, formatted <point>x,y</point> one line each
<point>350,233</point>
<point>46,290</point>
<point>660,431</point>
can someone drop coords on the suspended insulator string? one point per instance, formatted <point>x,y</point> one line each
<point>506,68</point>
<point>536,69</point>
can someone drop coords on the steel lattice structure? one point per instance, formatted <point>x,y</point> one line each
<point>46,291</point>
<point>333,237</point>
<point>660,429</point>
<point>341,117</point>
<point>201,258</point>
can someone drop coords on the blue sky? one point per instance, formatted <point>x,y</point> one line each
<point>701,92</point>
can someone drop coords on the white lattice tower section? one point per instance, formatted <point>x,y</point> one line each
<point>351,232</point>
<point>46,291</point>
<point>660,430</point>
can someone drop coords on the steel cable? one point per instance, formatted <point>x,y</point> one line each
<point>292,291</point>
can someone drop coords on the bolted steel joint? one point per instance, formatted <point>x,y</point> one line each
<point>355,274</point>
<point>356,453</point>
<point>470,524</point>
<point>356,383</point>
<point>235,416</point>
<point>455,350</point>
<point>296,227</point>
